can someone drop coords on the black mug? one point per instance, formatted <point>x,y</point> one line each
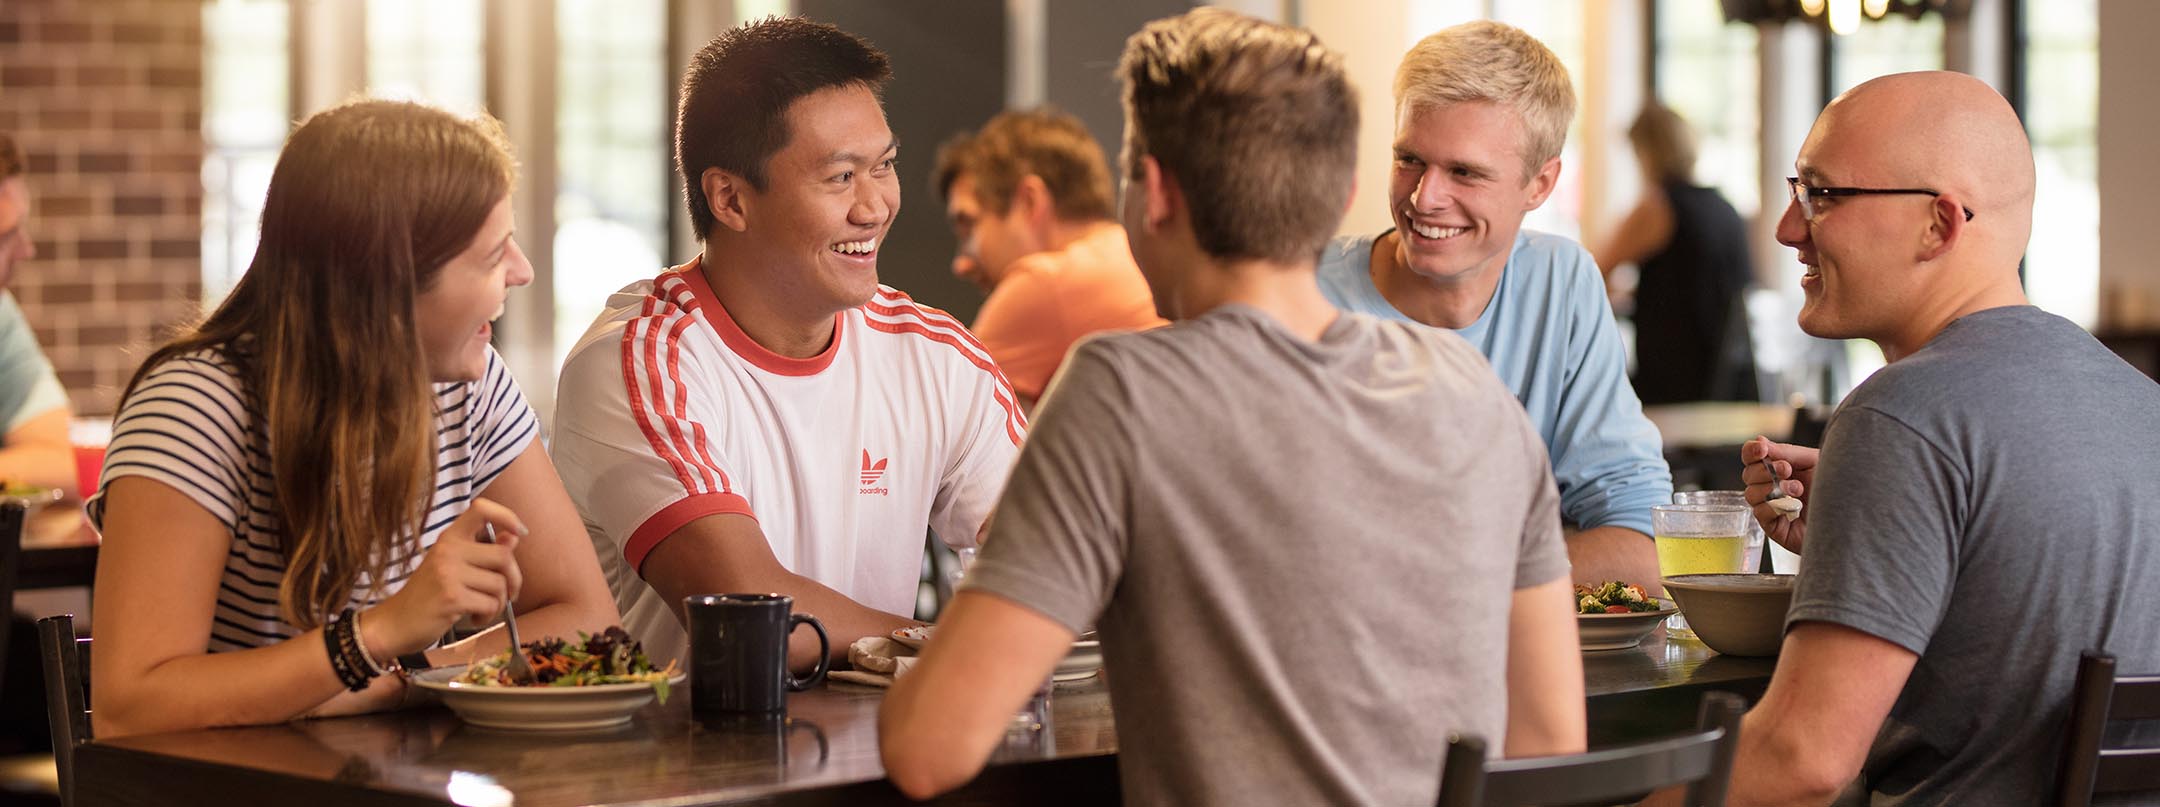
<point>738,652</point>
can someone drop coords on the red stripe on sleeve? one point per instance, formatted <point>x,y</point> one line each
<point>656,378</point>
<point>682,395</point>
<point>661,525</point>
<point>638,409</point>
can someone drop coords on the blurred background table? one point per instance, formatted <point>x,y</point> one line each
<point>1702,440</point>
<point>59,548</point>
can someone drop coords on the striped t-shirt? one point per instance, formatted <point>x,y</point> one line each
<point>189,425</point>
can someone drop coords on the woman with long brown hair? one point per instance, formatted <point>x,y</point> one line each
<point>298,490</point>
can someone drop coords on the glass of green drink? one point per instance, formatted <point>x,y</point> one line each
<point>1699,539</point>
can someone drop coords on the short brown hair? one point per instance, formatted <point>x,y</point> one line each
<point>1043,143</point>
<point>736,92</point>
<point>1662,138</point>
<point>1496,63</point>
<point>1256,121</point>
<point>11,157</point>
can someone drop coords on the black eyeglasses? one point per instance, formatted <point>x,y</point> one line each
<point>1805,195</point>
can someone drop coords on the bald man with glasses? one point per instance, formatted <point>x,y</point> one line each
<point>1983,509</point>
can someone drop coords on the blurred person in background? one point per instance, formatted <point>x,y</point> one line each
<point>1690,250</point>
<point>34,447</point>
<point>1029,199</point>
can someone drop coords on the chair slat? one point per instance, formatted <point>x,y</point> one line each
<point>2136,698</point>
<point>2123,770</point>
<point>1702,760</point>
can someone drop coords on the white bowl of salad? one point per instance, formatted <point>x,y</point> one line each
<point>1616,616</point>
<point>597,682</point>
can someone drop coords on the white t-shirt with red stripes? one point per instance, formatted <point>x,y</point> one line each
<point>668,412</point>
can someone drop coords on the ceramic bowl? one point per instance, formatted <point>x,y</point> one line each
<point>1735,614</point>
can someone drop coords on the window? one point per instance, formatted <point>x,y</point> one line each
<point>614,186</point>
<point>426,50</point>
<point>1881,47</point>
<point>2062,264</point>
<point>246,103</point>
<point>1560,25</point>
<point>1708,71</point>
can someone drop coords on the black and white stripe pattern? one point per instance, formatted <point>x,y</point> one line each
<point>189,426</point>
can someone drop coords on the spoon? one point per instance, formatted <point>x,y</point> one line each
<point>520,669</point>
<point>1788,507</point>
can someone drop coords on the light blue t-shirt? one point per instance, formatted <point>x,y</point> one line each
<point>28,386</point>
<point>1549,333</point>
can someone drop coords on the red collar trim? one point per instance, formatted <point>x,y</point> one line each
<point>733,336</point>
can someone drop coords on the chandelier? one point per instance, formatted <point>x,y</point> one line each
<point>1840,16</point>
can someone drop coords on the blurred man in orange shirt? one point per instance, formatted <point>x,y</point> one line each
<point>1029,200</point>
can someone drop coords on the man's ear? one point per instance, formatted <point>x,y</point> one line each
<point>1164,200</point>
<point>1542,184</point>
<point>724,196</point>
<point>1946,224</point>
<point>1031,197</point>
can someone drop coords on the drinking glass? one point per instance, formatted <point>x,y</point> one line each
<point>1699,539</point>
<point>1755,538</point>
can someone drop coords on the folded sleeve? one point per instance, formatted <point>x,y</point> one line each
<point>185,425</point>
<point>1883,523</point>
<point>1607,457</point>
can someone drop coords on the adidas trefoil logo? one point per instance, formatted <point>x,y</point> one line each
<point>871,473</point>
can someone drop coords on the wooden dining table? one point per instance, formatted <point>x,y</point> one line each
<point>824,753</point>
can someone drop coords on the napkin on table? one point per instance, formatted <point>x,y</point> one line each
<point>878,661</point>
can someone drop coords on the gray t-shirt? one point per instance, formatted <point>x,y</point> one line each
<point>1301,553</point>
<point>1992,503</point>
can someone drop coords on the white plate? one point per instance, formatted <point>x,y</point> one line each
<point>1620,631</point>
<point>542,708</point>
<point>1083,661</point>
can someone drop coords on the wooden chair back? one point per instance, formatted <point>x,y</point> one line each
<point>1701,759</point>
<point>67,694</point>
<point>2090,766</point>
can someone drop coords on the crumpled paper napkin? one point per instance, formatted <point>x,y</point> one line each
<point>878,661</point>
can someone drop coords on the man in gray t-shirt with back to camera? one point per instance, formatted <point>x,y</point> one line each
<point>1315,543</point>
<point>1985,508</point>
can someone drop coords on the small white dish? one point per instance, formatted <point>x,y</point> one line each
<point>913,636</point>
<point>541,708</point>
<point>1621,631</point>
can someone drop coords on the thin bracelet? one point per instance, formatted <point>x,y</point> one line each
<point>361,643</point>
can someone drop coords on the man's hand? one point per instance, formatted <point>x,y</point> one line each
<point>942,720</point>
<point>1796,466</point>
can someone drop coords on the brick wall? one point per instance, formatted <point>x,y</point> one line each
<point>105,98</point>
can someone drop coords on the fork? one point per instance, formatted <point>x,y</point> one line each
<point>520,669</point>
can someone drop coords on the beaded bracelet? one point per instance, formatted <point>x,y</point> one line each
<point>346,659</point>
<point>360,643</point>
